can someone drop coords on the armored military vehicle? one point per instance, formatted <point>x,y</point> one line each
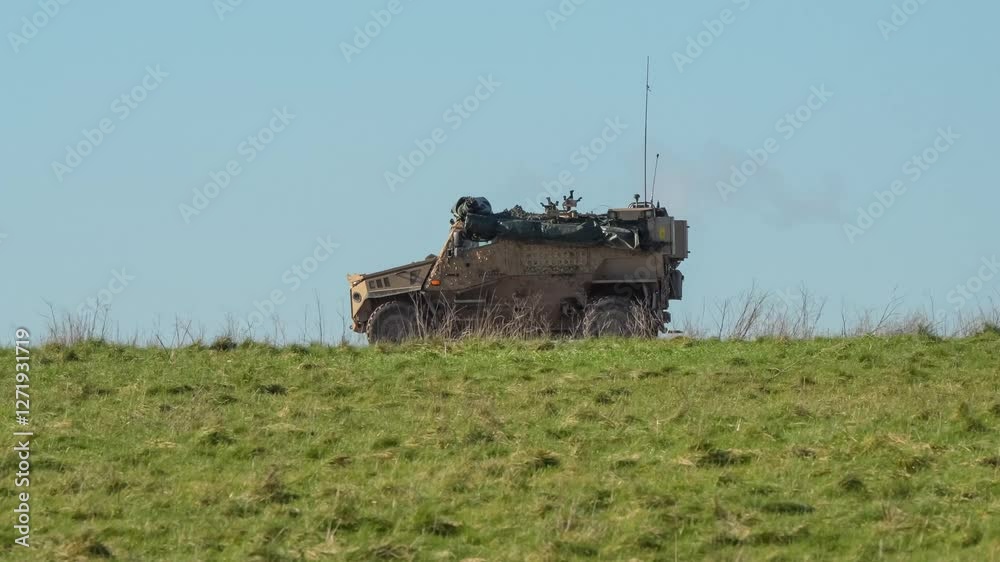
<point>580,274</point>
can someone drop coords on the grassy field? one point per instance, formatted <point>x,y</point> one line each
<point>857,449</point>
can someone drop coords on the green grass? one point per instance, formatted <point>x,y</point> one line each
<point>859,449</point>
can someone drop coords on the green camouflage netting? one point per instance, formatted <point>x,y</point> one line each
<point>584,231</point>
<point>482,225</point>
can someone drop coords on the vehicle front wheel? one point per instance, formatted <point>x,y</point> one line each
<point>392,322</point>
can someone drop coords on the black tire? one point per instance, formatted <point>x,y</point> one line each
<point>608,316</point>
<point>618,317</point>
<point>392,322</point>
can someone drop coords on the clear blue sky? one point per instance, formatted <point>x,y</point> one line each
<point>208,82</point>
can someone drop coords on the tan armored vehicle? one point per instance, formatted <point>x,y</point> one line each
<point>514,272</point>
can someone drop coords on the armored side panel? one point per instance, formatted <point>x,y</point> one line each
<point>551,276</point>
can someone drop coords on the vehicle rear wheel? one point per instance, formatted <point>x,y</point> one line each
<point>392,322</point>
<point>607,316</point>
<point>619,317</point>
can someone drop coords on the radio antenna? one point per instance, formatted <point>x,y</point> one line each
<point>652,191</point>
<point>645,137</point>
